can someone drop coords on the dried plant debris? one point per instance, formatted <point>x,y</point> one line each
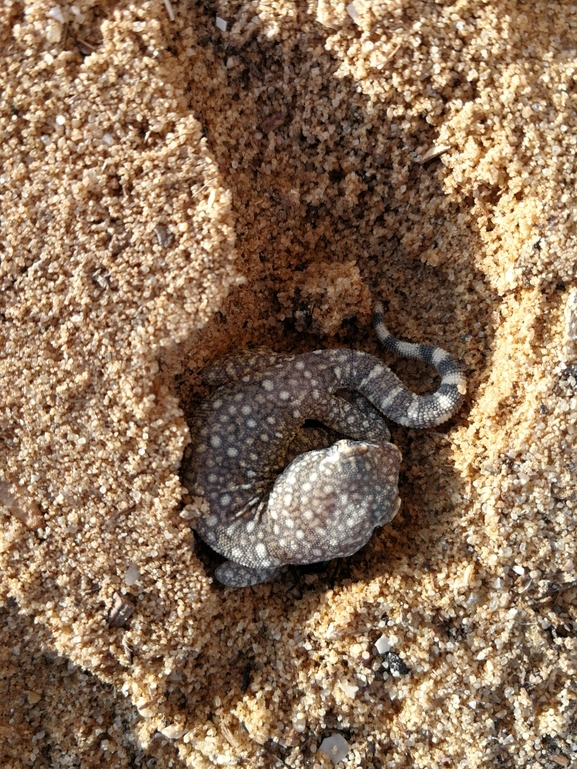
<point>571,327</point>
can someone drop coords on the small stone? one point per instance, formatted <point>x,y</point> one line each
<point>349,689</point>
<point>383,645</point>
<point>21,505</point>
<point>56,13</point>
<point>395,665</point>
<point>336,747</point>
<point>132,575</point>
<point>121,611</point>
<point>560,759</point>
<point>33,697</point>
<point>53,31</point>
<point>173,731</point>
<point>352,11</point>
<point>163,235</point>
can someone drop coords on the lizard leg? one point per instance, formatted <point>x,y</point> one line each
<point>236,365</point>
<point>236,575</point>
<point>351,419</point>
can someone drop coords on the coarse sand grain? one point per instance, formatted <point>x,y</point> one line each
<point>180,180</point>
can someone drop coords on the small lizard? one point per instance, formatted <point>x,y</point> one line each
<point>279,492</point>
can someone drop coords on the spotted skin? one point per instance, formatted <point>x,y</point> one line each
<point>280,492</point>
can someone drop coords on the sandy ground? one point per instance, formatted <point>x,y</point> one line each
<point>181,180</point>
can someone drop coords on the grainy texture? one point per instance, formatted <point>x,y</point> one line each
<point>146,164</point>
<point>54,714</point>
<point>265,508</point>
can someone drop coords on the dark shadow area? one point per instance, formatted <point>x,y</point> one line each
<point>41,691</point>
<point>314,183</point>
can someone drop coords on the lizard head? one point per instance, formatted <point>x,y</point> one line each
<point>327,503</point>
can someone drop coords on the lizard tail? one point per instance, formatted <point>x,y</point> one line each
<point>422,410</point>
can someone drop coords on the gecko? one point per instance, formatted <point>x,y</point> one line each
<point>280,491</point>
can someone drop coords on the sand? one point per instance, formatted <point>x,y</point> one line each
<point>178,181</point>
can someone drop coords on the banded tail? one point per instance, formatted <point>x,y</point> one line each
<point>423,410</point>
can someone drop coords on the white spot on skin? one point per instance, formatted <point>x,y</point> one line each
<point>390,398</point>
<point>440,355</point>
<point>445,403</point>
<point>225,500</point>
<point>215,441</point>
<point>284,395</point>
<point>246,410</point>
<point>374,372</point>
<point>268,385</point>
<point>413,409</point>
<point>232,452</point>
<point>408,349</point>
<point>454,378</point>
<point>382,331</point>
